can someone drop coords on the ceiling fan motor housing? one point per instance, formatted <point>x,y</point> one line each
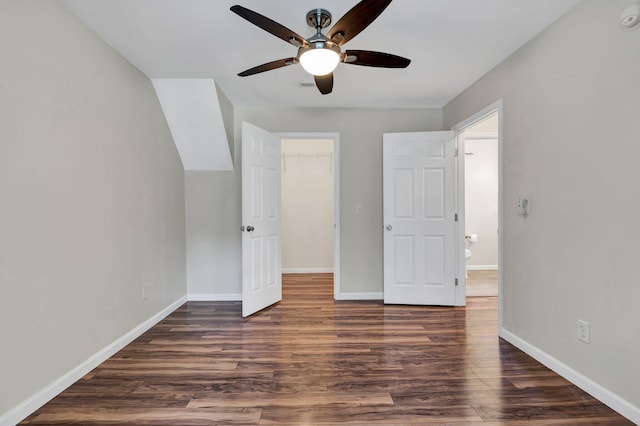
<point>318,18</point>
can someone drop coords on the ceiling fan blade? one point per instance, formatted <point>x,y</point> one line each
<point>269,26</point>
<point>375,59</point>
<point>356,20</point>
<point>324,83</point>
<point>268,66</point>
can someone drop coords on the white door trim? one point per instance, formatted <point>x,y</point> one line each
<point>458,129</point>
<point>336,191</point>
<point>481,136</point>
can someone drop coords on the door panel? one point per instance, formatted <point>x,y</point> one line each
<point>403,259</point>
<point>434,260</point>
<point>261,268</point>
<point>433,194</point>
<point>403,193</point>
<point>419,218</point>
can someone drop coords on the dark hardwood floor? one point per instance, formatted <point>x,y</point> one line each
<point>310,360</point>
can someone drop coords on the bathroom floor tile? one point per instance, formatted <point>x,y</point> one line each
<point>482,283</point>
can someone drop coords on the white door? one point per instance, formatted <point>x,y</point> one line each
<point>261,267</point>
<point>419,218</point>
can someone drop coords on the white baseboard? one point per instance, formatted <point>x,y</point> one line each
<point>232,297</point>
<point>31,404</point>
<point>482,267</point>
<point>215,297</point>
<point>360,296</point>
<point>307,270</point>
<point>615,402</point>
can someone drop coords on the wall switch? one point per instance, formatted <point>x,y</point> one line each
<point>523,206</point>
<point>584,332</point>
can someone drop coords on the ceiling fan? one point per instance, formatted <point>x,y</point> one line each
<point>319,54</point>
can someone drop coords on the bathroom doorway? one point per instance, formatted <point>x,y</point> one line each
<point>481,182</point>
<point>483,126</point>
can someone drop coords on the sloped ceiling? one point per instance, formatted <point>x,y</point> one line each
<point>192,111</point>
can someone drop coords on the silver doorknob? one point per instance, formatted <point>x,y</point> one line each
<point>250,228</point>
<point>388,227</point>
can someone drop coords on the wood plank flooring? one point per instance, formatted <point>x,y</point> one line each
<point>312,361</point>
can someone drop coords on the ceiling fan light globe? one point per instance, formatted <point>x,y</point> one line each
<point>319,61</point>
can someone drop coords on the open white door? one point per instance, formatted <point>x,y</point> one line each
<point>419,218</point>
<point>261,268</point>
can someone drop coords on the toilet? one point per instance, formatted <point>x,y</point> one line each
<point>467,256</point>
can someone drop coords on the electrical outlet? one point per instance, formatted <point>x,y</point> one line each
<point>584,331</point>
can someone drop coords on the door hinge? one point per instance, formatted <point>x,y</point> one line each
<point>456,282</point>
<point>455,217</point>
<point>456,152</point>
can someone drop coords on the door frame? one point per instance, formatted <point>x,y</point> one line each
<point>336,194</point>
<point>496,106</point>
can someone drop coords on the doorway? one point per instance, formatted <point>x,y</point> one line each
<point>481,206</point>
<point>310,204</point>
<point>481,135</point>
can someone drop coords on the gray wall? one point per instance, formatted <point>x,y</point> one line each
<point>212,229</point>
<point>213,199</point>
<point>571,144</point>
<point>91,198</point>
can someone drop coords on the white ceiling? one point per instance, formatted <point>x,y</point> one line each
<point>452,43</point>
